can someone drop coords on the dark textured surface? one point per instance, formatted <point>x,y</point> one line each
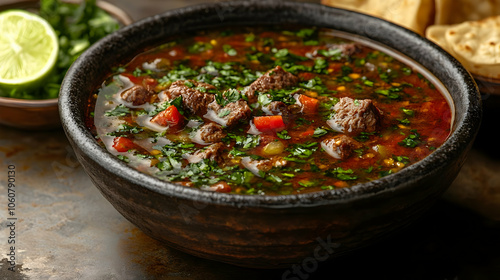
<point>264,231</point>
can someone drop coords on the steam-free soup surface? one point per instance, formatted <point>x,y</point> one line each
<point>268,111</point>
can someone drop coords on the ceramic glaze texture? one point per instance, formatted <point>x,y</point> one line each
<point>268,231</point>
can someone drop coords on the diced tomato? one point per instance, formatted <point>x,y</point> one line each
<point>307,133</point>
<point>169,117</point>
<point>269,123</point>
<point>309,104</point>
<point>123,144</point>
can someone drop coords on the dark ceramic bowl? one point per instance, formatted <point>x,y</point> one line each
<point>268,231</point>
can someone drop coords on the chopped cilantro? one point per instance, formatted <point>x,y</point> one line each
<point>284,135</point>
<point>123,158</point>
<point>199,47</point>
<point>224,113</point>
<point>318,132</point>
<point>412,140</point>
<point>341,174</point>
<point>229,50</point>
<point>118,111</point>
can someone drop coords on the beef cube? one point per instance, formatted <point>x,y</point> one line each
<point>230,114</point>
<point>137,95</point>
<point>179,88</point>
<point>212,152</point>
<point>349,49</point>
<point>276,78</point>
<point>278,108</point>
<point>262,165</point>
<point>355,116</point>
<point>340,146</point>
<point>211,133</point>
<point>193,100</point>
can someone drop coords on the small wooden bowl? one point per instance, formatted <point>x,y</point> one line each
<point>41,114</point>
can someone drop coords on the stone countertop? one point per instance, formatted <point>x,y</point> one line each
<point>65,229</point>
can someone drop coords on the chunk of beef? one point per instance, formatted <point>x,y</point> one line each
<point>211,133</point>
<point>193,100</point>
<point>279,108</point>
<point>179,88</point>
<point>257,165</point>
<point>276,78</point>
<point>230,114</point>
<point>213,152</point>
<point>340,146</point>
<point>346,49</point>
<point>349,49</point>
<point>137,95</point>
<point>355,116</point>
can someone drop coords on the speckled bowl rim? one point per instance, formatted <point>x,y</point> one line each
<point>424,51</point>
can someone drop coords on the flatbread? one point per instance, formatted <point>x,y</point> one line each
<point>415,15</point>
<point>458,11</point>
<point>476,44</point>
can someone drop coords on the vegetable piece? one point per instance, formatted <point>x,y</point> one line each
<point>269,123</point>
<point>221,187</point>
<point>169,117</point>
<point>307,133</point>
<point>309,104</point>
<point>273,148</point>
<point>123,144</point>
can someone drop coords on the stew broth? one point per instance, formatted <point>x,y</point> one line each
<point>268,111</point>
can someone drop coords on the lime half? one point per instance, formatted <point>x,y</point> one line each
<point>28,49</point>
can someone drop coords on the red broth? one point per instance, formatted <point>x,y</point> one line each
<point>268,111</point>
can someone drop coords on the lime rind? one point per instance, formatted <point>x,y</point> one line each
<point>28,49</point>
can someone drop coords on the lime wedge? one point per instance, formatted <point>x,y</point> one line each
<point>28,49</point>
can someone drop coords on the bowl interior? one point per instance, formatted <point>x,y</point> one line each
<point>90,69</point>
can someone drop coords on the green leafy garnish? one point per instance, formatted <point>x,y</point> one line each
<point>318,132</point>
<point>412,140</point>
<point>118,111</point>
<point>342,174</point>
<point>283,135</point>
<point>229,50</point>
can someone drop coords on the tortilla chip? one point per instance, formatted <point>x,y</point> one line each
<point>415,15</point>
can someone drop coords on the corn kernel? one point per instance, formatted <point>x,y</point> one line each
<point>213,42</point>
<point>395,84</point>
<point>400,164</point>
<point>402,126</point>
<point>388,162</point>
<point>369,155</point>
<point>354,76</point>
<point>341,88</point>
<point>155,152</point>
<point>311,93</point>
